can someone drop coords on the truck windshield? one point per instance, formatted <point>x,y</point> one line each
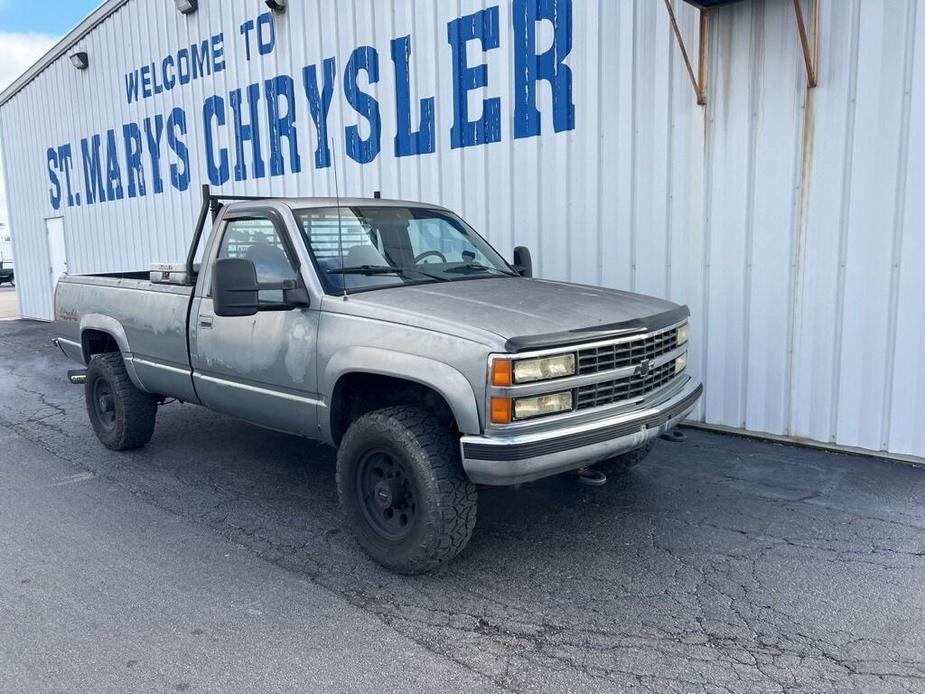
<point>362,248</point>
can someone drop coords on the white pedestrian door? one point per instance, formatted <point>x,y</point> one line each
<point>57,254</point>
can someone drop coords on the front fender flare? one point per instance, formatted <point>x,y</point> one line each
<point>444,379</point>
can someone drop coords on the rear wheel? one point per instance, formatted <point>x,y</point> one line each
<point>403,489</point>
<point>621,463</point>
<point>121,415</point>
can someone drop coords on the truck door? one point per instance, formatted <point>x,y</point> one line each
<point>262,367</point>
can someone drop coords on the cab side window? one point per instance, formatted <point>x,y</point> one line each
<point>257,240</point>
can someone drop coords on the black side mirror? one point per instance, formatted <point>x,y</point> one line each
<point>523,261</point>
<point>294,294</point>
<point>234,287</point>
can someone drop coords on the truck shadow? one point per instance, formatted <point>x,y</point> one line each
<point>250,483</point>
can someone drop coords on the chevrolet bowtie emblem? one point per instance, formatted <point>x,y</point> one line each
<point>644,368</point>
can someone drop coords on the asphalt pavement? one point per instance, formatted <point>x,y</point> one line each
<point>215,559</point>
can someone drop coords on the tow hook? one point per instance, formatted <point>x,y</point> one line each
<point>591,477</point>
<point>77,376</point>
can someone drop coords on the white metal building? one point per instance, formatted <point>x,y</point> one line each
<point>791,220</point>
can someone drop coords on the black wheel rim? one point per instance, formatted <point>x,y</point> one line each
<point>104,404</point>
<point>387,495</point>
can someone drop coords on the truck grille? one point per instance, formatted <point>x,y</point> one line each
<point>627,388</point>
<point>597,359</point>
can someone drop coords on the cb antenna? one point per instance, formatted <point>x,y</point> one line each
<point>340,222</point>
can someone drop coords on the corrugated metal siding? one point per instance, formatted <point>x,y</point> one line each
<point>790,221</point>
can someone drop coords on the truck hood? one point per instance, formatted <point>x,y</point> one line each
<point>525,313</point>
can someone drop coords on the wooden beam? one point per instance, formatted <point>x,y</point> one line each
<point>810,53</point>
<point>698,81</point>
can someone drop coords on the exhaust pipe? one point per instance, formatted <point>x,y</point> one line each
<point>78,376</point>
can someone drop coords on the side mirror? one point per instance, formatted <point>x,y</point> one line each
<point>294,294</point>
<point>234,287</point>
<point>523,261</point>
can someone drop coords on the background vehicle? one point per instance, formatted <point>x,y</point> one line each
<point>390,330</point>
<point>6,273</point>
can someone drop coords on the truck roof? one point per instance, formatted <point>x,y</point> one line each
<point>311,203</point>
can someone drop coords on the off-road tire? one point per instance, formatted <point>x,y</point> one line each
<point>618,465</point>
<point>445,499</point>
<point>133,411</point>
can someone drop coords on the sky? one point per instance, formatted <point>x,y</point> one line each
<point>28,28</point>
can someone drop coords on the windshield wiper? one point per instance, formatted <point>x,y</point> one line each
<point>469,268</point>
<point>366,270</point>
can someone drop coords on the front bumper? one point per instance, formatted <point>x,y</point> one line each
<point>515,459</point>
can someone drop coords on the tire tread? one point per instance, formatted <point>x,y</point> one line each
<point>139,409</point>
<point>457,495</point>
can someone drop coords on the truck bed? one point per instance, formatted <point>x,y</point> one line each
<point>149,321</point>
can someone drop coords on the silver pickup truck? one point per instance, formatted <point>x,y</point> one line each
<point>394,332</point>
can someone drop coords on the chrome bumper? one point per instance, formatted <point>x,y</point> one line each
<point>515,459</point>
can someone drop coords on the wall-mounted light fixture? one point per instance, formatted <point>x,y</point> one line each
<point>187,6</point>
<point>80,60</point>
<point>277,5</point>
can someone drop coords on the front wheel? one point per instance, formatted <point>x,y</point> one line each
<point>121,415</point>
<point>403,490</point>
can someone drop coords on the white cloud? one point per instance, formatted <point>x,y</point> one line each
<point>18,52</point>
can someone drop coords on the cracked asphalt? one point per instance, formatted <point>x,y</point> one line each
<point>215,560</point>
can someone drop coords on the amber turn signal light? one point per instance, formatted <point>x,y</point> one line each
<point>501,411</point>
<point>502,373</point>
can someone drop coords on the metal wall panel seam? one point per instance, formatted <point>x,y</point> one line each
<point>756,29</point>
<point>669,178</point>
<point>599,182</point>
<point>277,186</point>
<point>869,257</point>
<point>79,93</point>
<point>93,217</point>
<point>25,241</point>
<point>416,91</point>
<point>5,162</point>
<point>486,188</point>
<point>40,248</point>
<point>803,153</point>
<point>122,109</point>
<point>908,410</point>
<point>634,152</point>
<point>898,225</point>
<point>800,215</point>
<point>689,193</point>
<point>376,169</point>
<point>843,221</point>
<point>706,271</point>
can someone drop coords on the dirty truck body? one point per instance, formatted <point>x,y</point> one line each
<point>392,331</point>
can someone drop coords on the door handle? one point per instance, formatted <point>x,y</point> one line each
<point>205,321</point>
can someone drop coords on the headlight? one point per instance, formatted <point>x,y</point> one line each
<point>680,363</point>
<point>684,334</point>
<point>525,408</point>
<point>544,368</point>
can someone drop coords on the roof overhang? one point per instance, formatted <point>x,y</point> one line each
<point>61,49</point>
